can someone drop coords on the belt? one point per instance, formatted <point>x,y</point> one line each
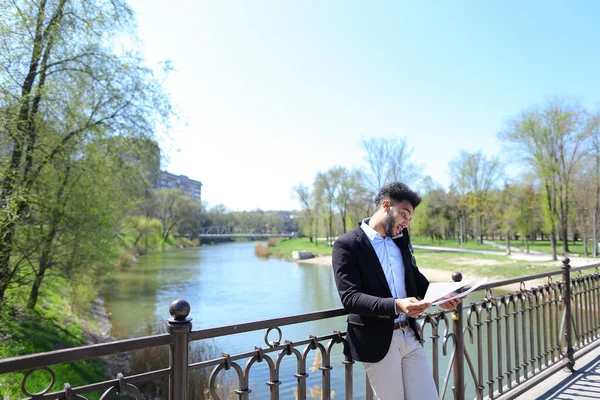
<point>401,324</point>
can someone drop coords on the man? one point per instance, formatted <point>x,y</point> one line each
<point>380,286</point>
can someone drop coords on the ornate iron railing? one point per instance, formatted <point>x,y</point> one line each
<point>496,347</point>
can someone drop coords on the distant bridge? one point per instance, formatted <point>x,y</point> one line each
<point>238,232</point>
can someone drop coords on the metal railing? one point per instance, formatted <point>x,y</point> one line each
<point>497,347</point>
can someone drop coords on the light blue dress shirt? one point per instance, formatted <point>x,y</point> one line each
<point>391,261</point>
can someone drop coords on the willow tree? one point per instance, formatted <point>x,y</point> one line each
<point>551,139</point>
<point>64,79</point>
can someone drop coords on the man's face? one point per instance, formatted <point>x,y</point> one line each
<point>397,216</point>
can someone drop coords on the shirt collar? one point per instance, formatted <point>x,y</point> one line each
<point>371,233</point>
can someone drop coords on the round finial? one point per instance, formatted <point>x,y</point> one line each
<point>457,277</point>
<point>179,309</point>
<point>565,260</point>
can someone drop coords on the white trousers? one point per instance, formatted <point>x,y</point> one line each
<point>404,372</point>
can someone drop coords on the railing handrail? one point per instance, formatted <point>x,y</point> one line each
<point>20,363</point>
<point>265,324</point>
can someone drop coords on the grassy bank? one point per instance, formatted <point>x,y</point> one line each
<point>53,324</point>
<point>285,247</point>
<point>495,267</point>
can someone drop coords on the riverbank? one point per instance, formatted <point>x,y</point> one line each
<point>52,325</point>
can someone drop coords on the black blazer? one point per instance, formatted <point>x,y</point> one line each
<point>366,296</point>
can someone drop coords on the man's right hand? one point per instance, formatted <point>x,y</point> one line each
<point>411,306</point>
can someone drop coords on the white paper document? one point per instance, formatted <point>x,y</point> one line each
<point>436,291</point>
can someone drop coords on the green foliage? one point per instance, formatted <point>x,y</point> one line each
<point>78,115</point>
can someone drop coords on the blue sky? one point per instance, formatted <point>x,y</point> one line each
<point>271,92</point>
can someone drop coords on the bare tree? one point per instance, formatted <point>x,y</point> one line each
<point>389,160</point>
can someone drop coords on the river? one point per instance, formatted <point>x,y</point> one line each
<point>227,284</point>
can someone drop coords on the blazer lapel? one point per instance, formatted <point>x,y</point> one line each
<point>367,247</point>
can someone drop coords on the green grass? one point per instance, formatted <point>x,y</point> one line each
<point>470,244</point>
<point>544,246</point>
<point>285,247</point>
<point>484,265</point>
<point>50,326</point>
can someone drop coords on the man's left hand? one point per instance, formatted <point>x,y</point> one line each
<point>450,304</point>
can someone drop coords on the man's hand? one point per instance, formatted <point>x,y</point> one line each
<point>450,304</point>
<point>411,306</point>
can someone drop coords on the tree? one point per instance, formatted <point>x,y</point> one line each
<point>141,226</point>
<point>174,207</point>
<point>326,186</point>
<point>306,200</point>
<point>389,160</point>
<point>527,218</point>
<point>348,189</point>
<point>76,210</point>
<point>550,140</point>
<point>508,209</point>
<point>63,83</point>
<point>474,175</point>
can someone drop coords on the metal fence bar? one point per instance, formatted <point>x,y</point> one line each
<point>567,304</point>
<point>459,359</point>
<point>179,326</point>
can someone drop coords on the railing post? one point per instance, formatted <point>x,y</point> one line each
<point>459,355</point>
<point>179,326</point>
<point>569,352</point>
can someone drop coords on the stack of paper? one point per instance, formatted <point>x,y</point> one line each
<point>436,291</point>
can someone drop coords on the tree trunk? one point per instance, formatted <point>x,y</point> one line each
<point>564,231</point>
<point>507,243</point>
<point>553,244</point>
<point>527,244</point>
<point>35,288</point>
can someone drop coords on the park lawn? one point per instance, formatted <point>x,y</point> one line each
<point>452,243</point>
<point>50,326</point>
<point>492,266</point>
<point>545,247</point>
<point>285,247</point>
<point>482,265</point>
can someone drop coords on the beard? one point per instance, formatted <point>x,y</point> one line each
<point>389,224</point>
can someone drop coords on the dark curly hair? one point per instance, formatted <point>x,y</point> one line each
<point>396,192</point>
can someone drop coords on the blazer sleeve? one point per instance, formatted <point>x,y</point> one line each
<point>348,281</point>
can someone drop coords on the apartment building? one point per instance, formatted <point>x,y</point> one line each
<point>188,186</point>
